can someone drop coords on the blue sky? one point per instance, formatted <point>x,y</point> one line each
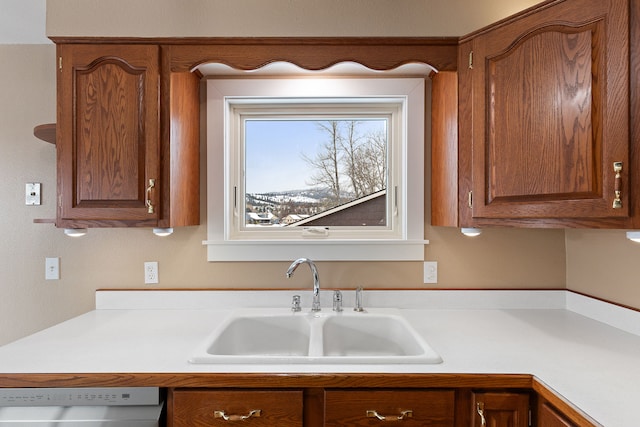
<point>274,150</point>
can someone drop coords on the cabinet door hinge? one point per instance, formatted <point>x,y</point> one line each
<point>530,417</point>
<point>470,199</point>
<point>60,63</point>
<point>471,60</point>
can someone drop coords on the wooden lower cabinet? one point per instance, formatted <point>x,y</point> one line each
<point>549,416</point>
<point>434,408</point>
<point>359,407</point>
<point>256,408</point>
<point>501,409</point>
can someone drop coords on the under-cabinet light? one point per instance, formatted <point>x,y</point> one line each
<point>162,232</point>
<point>471,232</point>
<point>634,236</point>
<point>75,232</point>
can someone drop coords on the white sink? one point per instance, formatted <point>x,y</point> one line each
<point>277,335</point>
<point>280,336</point>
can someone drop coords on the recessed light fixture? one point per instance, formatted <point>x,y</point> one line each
<point>162,232</point>
<point>471,232</point>
<point>634,236</point>
<point>75,232</point>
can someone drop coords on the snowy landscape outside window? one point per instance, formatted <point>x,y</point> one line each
<point>315,172</point>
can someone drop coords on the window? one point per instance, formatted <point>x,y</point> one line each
<point>325,168</point>
<point>314,167</point>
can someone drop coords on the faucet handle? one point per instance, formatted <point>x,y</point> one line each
<point>358,307</point>
<point>295,303</point>
<point>337,300</point>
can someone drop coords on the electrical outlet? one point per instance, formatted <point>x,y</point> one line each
<point>52,268</point>
<point>430,272</point>
<point>150,272</point>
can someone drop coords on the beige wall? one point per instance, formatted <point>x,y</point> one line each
<point>157,18</point>
<point>506,258</point>
<point>115,257</point>
<point>603,263</point>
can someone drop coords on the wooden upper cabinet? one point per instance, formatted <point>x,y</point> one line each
<point>108,133</point>
<point>548,117</point>
<point>119,163</point>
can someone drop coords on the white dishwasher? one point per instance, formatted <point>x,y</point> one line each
<point>75,407</point>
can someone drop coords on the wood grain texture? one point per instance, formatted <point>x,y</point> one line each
<point>318,53</point>
<point>501,409</point>
<point>110,132</point>
<point>435,408</point>
<point>107,134</point>
<point>313,386</point>
<point>192,408</point>
<point>180,160</point>
<point>550,116</point>
<point>46,132</point>
<point>569,412</point>
<point>311,53</point>
<point>444,149</point>
<point>466,118</point>
<point>634,109</point>
<point>548,416</point>
<point>541,141</point>
<point>259,380</point>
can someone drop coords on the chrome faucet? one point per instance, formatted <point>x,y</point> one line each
<point>315,305</point>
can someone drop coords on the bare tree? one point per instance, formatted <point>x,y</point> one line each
<point>364,159</point>
<point>346,155</point>
<point>371,163</point>
<point>327,162</point>
<point>350,146</point>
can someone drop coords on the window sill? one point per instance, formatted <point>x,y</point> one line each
<point>318,250</point>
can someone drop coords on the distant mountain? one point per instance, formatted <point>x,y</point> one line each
<point>306,197</point>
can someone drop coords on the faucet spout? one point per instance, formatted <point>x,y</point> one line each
<point>315,305</point>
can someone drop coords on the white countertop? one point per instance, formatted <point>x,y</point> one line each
<point>593,365</point>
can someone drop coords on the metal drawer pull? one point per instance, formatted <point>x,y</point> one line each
<point>402,416</point>
<point>480,410</point>
<point>150,208</point>
<point>255,413</point>
<point>617,168</point>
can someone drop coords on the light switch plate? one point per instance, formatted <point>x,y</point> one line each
<point>32,194</point>
<point>52,269</point>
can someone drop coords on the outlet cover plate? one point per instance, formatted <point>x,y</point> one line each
<point>430,272</point>
<point>150,272</point>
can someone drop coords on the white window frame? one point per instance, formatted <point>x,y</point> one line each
<point>405,241</point>
<point>240,109</point>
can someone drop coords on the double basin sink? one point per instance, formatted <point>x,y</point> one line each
<point>280,336</point>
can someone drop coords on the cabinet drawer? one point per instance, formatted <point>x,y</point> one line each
<point>378,407</point>
<point>251,407</point>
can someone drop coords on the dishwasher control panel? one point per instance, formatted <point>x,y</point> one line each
<point>80,396</point>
